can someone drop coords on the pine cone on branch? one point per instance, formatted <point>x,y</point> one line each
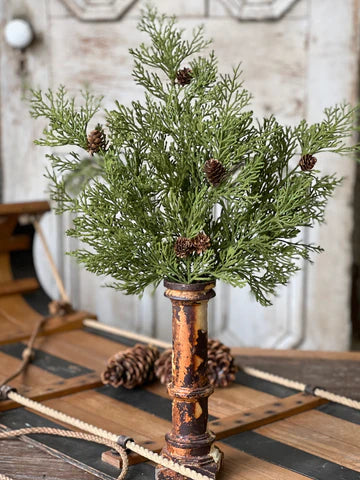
<point>184,76</point>
<point>215,171</point>
<point>96,140</point>
<point>307,162</point>
<point>183,247</point>
<point>201,243</point>
<point>221,367</point>
<point>131,368</point>
<point>163,367</point>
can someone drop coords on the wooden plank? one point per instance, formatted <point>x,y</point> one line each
<point>23,457</point>
<point>319,434</point>
<point>14,243</point>
<point>329,370</point>
<point>242,466</point>
<point>38,382</point>
<point>81,347</point>
<point>15,328</point>
<point>7,224</point>
<point>242,422</point>
<point>23,285</point>
<point>54,389</point>
<point>21,208</point>
<point>257,353</point>
<point>263,415</point>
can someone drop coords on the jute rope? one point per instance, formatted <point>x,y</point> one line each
<point>103,434</point>
<point>302,387</point>
<point>69,434</point>
<point>28,352</point>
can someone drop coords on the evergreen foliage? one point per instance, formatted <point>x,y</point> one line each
<point>148,188</point>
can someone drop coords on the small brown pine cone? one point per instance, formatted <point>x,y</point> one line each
<point>96,140</point>
<point>132,367</point>
<point>201,243</point>
<point>59,308</point>
<point>307,162</point>
<point>163,367</point>
<point>184,76</point>
<point>215,172</point>
<point>221,367</point>
<point>183,247</point>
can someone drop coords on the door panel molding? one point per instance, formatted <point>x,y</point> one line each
<point>99,10</point>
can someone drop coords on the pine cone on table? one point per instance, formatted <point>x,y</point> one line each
<point>307,162</point>
<point>163,367</point>
<point>221,367</point>
<point>215,171</point>
<point>96,140</point>
<point>201,243</point>
<point>131,368</point>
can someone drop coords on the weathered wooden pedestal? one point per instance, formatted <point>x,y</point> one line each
<point>190,442</point>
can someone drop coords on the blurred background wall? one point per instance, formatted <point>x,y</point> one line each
<point>298,57</point>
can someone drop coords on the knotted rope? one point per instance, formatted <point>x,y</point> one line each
<point>28,352</point>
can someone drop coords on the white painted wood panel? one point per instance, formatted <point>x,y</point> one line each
<point>332,77</point>
<point>294,66</point>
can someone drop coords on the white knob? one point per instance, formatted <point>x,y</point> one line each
<point>18,33</point>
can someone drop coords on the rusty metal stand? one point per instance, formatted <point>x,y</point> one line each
<point>190,442</point>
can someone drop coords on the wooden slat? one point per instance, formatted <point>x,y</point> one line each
<point>55,389</point>
<point>23,285</point>
<point>242,466</point>
<point>335,368</point>
<point>319,434</point>
<point>7,225</point>
<point>246,420</point>
<point>16,329</point>
<point>36,463</point>
<point>263,415</point>
<point>22,208</point>
<point>259,354</point>
<point>115,416</point>
<point>14,243</point>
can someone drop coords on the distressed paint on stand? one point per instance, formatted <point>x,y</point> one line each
<point>190,442</point>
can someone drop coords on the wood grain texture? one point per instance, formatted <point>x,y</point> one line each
<point>321,435</point>
<point>20,242</point>
<point>317,437</point>
<point>35,463</point>
<point>337,372</point>
<point>24,285</point>
<point>20,208</point>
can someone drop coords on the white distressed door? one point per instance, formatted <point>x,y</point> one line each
<point>298,56</point>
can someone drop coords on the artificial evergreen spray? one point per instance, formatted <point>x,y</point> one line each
<point>189,187</point>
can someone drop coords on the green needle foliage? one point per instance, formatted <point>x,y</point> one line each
<point>145,190</point>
